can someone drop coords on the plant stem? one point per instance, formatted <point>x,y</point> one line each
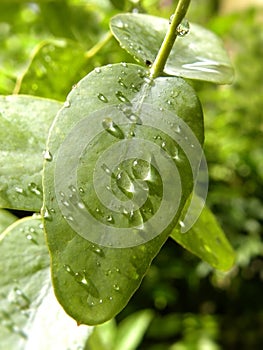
<point>164,52</point>
<point>96,48</point>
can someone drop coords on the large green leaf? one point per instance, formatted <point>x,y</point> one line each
<point>30,316</point>
<point>198,55</point>
<point>206,238</point>
<point>119,137</point>
<point>24,123</point>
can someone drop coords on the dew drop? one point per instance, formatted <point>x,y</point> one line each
<point>66,104</point>
<point>102,98</point>
<point>34,188</point>
<point>121,97</point>
<point>19,190</point>
<point>121,82</point>
<point>110,298</point>
<point>116,287</point>
<point>110,219</point>
<point>112,128</point>
<point>97,250</point>
<point>183,28</point>
<point>106,169</point>
<point>181,223</point>
<point>97,70</point>
<point>68,217</point>
<point>100,301</point>
<point>47,155</point>
<point>46,214</point>
<point>81,190</point>
<point>124,64</point>
<point>134,118</point>
<point>69,270</point>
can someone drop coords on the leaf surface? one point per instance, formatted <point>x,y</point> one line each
<point>111,143</point>
<point>30,316</point>
<point>198,55</point>
<point>25,121</point>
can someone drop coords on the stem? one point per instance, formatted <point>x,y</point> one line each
<point>164,52</point>
<point>96,48</point>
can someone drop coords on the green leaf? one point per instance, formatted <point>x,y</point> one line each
<point>127,335</point>
<point>55,67</point>
<point>6,219</point>
<point>131,330</point>
<point>118,136</point>
<point>30,316</point>
<point>198,55</point>
<point>24,123</point>
<point>206,239</point>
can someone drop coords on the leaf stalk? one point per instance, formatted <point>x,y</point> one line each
<point>168,42</point>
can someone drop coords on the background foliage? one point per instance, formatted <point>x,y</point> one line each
<point>47,46</point>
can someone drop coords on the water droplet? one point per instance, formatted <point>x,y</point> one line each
<point>110,298</point>
<point>97,250</point>
<point>102,98</point>
<point>47,155</point>
<point>121,82</point>
<point>141,169</point>
<point>108,272</point>
<point>134,118</point>
<point>117,270</point>
<point>182,224</point>
<point>46,214</point>
<point>34,189</point>
<point>106,169</point>
<point>119,24</point>
<point>183,28</point>
<point>100,301</point>
<point>68,217</point>
<point>69,270</point>
<point>121,97</point>
<point>112,128</point>
<point>97,70</point>
<point>124,64</point>
<point>81,190</point>
<point>148,80</point>
<point>125,183</point>
<point>110,219</point>
<point>171,19</point>
<point>19,190</point>
<point>66,104</point>
<point>116,287</point>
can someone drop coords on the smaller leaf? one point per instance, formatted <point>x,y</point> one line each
<point>25,121</point>
<point>131,330</point>
<point>6,219</point>
<point>206,239</point>
<point>55,67</point>
<point>30,316</point>
<point>198,55</point>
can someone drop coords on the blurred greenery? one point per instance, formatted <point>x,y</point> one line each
<point>194,306</point>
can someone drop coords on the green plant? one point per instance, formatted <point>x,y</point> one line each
<point>152,119</point>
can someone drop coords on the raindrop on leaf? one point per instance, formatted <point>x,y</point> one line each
<point>112,128</point>
<point>102,98</point>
